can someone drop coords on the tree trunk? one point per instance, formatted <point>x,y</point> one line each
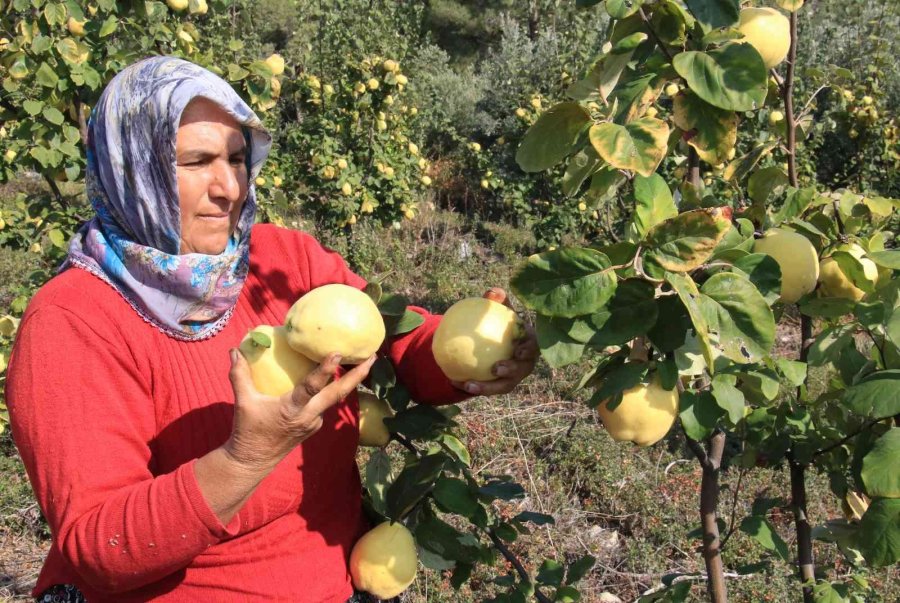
<point>804,532</point>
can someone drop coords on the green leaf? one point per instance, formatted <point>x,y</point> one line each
<point>409,321</point>
<point>581,165</point>
<point>552,137</point>
<point>538,519</point>
<point>763,532</point>
<point>824,592</point>
<point>854,270</point>
<point>699,413</point>
<point>603,77</point>
<point>827,307</point>
<point>794,205</point>
<point>729,398</point>
<point>793,370</point>
<point>46,76</point>
<point>551,572</point>
<point>685,242</point>
<point>672,324</point>
<point>565,282</point>
<point>109,26</point>
<point>764,273</point>
<point>712,131</point>
<point>55,14</point>
<point>879,532</point>
<point>72,51</point>
<point>455,497</point>
<point>505,490</point>
<point>413,483</point>
<point>879,468</point>
<point>557,348</point>
<point>374,291</point>
<point>738,314</point>
<point>53,115</point>
<point>458,448</point>
<point>827,347</point>
<point>378,479</point>
<point>653,203</point>
<point>714,14</point>
<point>619,9</point>
<point>877,396</point>
<point>887,259</point>
<point>690,297</point>
<point>616,381</point>
<point>236,72</point>
<point>732,77</point>
<point>392,304</point>
<point>638,146</point>
<point>420,421</point>
<point>446,541</point>
<point>764,182</point>
<point>604,185</point>
<point>740,167</point>
<point>579,568</point>
<point>33,107</point>
<point>631,312</point>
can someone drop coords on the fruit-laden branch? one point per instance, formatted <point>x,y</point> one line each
<point>498,544</point>
<point>798,470</point>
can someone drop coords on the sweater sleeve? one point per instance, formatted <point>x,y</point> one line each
<point>83,418</point>
<point>410,353</point>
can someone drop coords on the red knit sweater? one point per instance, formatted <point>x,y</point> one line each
<point>109,414</point>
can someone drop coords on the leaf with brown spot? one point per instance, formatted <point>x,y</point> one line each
<point>685,242</point>
<point>714,130</point>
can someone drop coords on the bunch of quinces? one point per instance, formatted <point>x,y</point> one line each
<point>474,334</point>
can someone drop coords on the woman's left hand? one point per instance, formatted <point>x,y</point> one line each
<point>509,372</point>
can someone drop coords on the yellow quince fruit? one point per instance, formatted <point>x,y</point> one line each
<point>75,27</point>
<point>473,335</point>
<point>768,31</point>
<point>644,416</point>
<point>275,367</point>
<point>797,259</point>
<point>275,63</point>
<point>372,412</point>
<point>384,561</point>
<point>335,318</point>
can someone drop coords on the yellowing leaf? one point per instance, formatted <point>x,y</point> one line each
<point>712,131</point>
<point>638,146</point>
<point>73,51</point>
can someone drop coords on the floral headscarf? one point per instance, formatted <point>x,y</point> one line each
<point>134,240</point>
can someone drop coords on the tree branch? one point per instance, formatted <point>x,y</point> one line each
<point>520,569</point>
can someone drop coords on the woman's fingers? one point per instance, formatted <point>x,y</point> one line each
<point>240,376</point>
<point>487,388</point>
<point>527,347</point>
<point>316,380</point>
<point>340,389</point>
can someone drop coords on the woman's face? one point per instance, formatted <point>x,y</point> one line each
<point>212,176</point>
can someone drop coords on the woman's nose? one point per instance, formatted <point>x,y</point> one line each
<point>226,181</point>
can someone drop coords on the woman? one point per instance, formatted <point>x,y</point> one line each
<point>163,474</point>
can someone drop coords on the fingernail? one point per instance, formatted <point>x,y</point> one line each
<point>473,388</point>
<point>500,370</point>
<point>337,358</point>
<point>234,356</point>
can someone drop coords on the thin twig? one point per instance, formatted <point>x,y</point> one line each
<point>520,569</point>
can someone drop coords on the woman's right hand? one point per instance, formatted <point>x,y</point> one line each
<point>266,428</point>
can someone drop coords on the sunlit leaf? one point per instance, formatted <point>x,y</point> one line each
<point>638,146</point>
<point>732,77</point>
<point>565,282</point>
<point>552,137</point>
